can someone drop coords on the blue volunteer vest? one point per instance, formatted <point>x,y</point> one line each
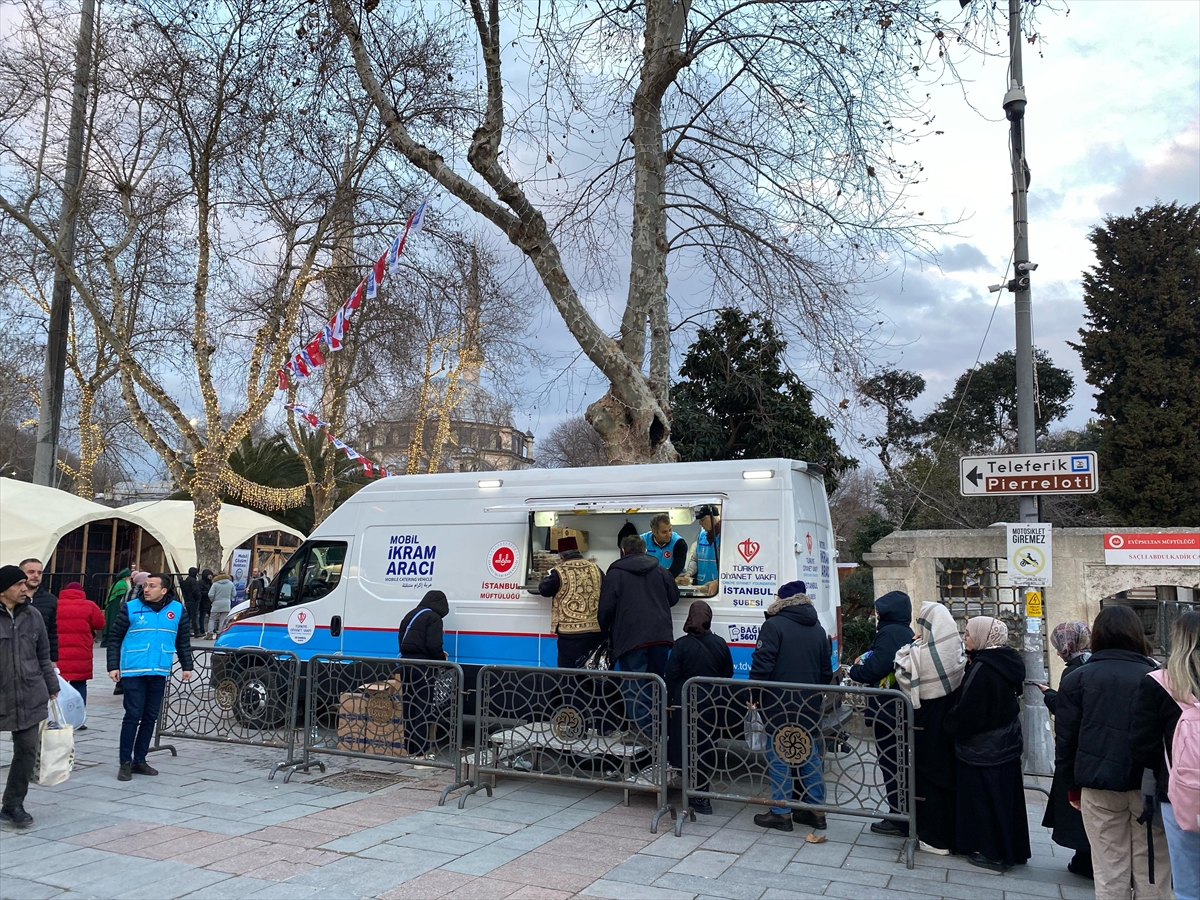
<point>706,558</point>
<point>149,643</point>
<point>664,555</point>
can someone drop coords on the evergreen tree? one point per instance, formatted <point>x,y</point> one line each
<point>736,400</point>
<point>1141,350</point>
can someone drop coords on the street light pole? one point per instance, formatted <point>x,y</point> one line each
<point>1039,741</point>
<point>45,459</point>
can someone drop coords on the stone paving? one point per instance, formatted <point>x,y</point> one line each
<point>212,826</point>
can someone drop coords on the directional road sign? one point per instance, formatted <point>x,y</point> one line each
<point>1028,473</point>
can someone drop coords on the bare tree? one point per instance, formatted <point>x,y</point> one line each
<point>757,143</point>
<point>572,444</point>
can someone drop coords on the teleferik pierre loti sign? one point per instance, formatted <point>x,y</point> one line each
<point>1016,474</point>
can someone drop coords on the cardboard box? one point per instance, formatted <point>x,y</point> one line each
<point>580,536</point>
<point>371,719</point>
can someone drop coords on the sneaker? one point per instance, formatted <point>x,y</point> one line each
<point>126,772</point>
<point>889,828</point>
<point>700,805</point>
<point>17,817</point>
<point>992,865</point>
<point>937,851</point>
<point>118,690</point>
<point>774,820</point>
<point>814,819</point>
<point>144,768</point>
<point>81,728</point>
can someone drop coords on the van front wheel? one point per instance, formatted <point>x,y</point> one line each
<point>260,702</point>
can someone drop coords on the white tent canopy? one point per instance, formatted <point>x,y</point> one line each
<point>175,517</point>
<point>34,518</point>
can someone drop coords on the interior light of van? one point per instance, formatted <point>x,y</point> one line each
<point>490,483</point>
<point>758,474</point>
<point>545,518</point>
<point>681,515</point>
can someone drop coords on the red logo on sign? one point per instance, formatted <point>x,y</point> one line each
<point>808,540</point>
<point>301,616</point>
<point>666,554</point>
<point>749,549</point>
<point>503,560</point>
<point>171,614</point>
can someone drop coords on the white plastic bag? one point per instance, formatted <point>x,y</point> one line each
<point>56,751</point>
<point>70,704</point>
<point>755,731</point>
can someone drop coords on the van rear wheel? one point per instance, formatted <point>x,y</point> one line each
<point>260,701</point>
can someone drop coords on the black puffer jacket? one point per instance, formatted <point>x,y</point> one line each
<point>792,646</point>
<point>1093,725</point>
<point>985,722</point>
<point>893,632</point>
<point>47,604</point>
<point>635,603</point>
<point>423,640</point>
<point>1154,723</point>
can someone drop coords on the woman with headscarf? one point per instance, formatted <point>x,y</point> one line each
<point>929,671</point>
<point>985,722</point>
<point>699,653</point>
<point>1072,641</point>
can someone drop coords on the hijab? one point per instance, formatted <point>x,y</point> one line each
<point>932,665</point>
<point>1071,639</point>
<point>987,633</point>
<point>699,618</point>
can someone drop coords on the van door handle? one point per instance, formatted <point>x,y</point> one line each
<point>335,626</point>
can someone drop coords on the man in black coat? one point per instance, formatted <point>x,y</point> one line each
<point>793,648</point>
<point>43,601</point>
<point>877,669</point>
<point>190,588</point>
<point>421,635</point>
<point>635,611</point>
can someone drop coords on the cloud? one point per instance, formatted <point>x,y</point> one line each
<point>1173,175</point>
<point>962,258</point>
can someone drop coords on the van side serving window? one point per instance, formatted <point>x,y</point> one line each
<point>313,571</point>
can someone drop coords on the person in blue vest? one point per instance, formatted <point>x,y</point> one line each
<point>145,633</point>
<point>665,545</point>
<point>703,560</point>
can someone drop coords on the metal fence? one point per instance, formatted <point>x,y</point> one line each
<point>846,750</point>
<point>244,696</point>
<point>601,729</point>
<point>404,710</point>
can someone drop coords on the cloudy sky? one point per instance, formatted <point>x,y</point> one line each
<point>1113,122</point>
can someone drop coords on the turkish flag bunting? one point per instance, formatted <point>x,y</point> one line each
<point>380,264</point>
<point>355,299</point>
<point>314,352</point>
<point>283,380</point>
<point>299,366</point>
<point>367,468</point>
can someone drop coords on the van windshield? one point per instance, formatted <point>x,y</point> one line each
<point>313,571</point>
<point>685,540</point>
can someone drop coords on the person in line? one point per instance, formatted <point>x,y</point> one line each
<point>117,595</point>
<point>190,589</point>
<point>665,545</point>
<point>220,601</point>
<point>699,653</point>
<point>43,601</point>
<point>876,667</point>
<point>79,620</point>
<point>27,685</point>
<point>703,566</point>
<point>1072,641</point>
<point>421,636</point>
<point>574,584</point>
<point>206,580</point>
<point>635,610</point>
<point>1093,729</point>
<point>930,671</point>
<point>993,831</point>
<point>256,586</point>
<point>140,643</point>
<point>1162,698</point>
<point>793,648</point>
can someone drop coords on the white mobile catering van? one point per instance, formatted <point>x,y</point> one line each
<point>485,540</point>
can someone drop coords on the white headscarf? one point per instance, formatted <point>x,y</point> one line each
<point>932,665</point>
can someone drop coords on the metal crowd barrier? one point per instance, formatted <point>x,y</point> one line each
<point>828,749</point>
<point>578,726</point>
<point>243,696</point>
<point>405,710</point>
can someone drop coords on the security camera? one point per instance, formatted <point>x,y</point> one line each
<point>1027,267</point>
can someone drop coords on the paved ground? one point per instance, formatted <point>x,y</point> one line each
<point>212,826</point>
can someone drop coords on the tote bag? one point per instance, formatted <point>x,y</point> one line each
<point>56,750</point>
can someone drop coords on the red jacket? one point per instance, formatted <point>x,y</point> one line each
<point>78,618</point>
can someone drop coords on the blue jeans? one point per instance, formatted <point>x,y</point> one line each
<point>80,686</point>
<point>143,700</point>
<point>1185,856</point>
<point>811,775</point>
<point>638,693</point>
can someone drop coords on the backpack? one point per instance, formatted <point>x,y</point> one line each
<point>1183,763</point>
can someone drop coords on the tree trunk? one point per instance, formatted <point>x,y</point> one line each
<point>206,499</point>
